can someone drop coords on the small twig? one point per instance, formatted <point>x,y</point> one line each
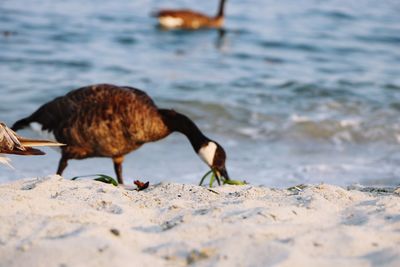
<point>215,192</point>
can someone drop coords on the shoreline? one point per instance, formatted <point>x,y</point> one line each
<point>52,221</point>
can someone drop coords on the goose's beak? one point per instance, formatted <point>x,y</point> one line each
<point>221,174</point>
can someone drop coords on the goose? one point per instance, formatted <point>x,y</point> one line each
<point>11,143</point>
<point>188,19</point>
<point>106,120</point>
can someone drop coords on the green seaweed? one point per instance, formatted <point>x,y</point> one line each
<point>214,177</point>
<point>204,177</point>
<point>234,182</point>
<point>100,178</point>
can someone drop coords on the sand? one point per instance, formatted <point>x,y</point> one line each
<point>52,221</point>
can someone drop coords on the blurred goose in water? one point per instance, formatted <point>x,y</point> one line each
<point>188,19</point>
<point>106,120</point>
<point>11,143</point>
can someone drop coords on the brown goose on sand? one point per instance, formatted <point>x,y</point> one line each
<point>11,143</point>
<point>188,19</point>
<point>106,120</point>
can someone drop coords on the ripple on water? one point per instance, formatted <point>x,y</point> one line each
<point>125,40</point>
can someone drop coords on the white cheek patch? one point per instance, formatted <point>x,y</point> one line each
<point>207,153</point>
<point>170,22</point>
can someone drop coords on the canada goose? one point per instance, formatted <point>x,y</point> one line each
<point>11,143</point>
<point>188,19</point>
<point>106,120</point>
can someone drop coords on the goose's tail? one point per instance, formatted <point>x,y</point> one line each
<point>23,123</point>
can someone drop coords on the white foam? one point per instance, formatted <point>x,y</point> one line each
<point>349,123</point>
<point>298,118</point>
<point>250,131</point>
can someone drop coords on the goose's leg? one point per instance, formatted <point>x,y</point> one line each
<point>118,168</point>
<point>62,165</point>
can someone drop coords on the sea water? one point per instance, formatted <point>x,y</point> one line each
<point>295,91</point>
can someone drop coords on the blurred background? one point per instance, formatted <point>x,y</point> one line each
<point>296,91</point>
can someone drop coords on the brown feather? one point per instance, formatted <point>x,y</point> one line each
<point>101,121</point>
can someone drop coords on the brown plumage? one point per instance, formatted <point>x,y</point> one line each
<point>105,120</point>
<point>188,19</point>
<point>11,143</point>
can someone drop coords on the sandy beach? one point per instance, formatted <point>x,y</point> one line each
<point>52,221</point>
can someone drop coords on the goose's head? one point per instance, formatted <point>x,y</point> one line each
<point>214,156</point>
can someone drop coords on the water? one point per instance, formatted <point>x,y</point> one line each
<point>296,92</point>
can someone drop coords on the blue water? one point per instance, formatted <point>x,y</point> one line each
<point>296,91</point>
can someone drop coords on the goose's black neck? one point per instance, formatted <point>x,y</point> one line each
<point>221,8</point>
<point>177,122</point>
